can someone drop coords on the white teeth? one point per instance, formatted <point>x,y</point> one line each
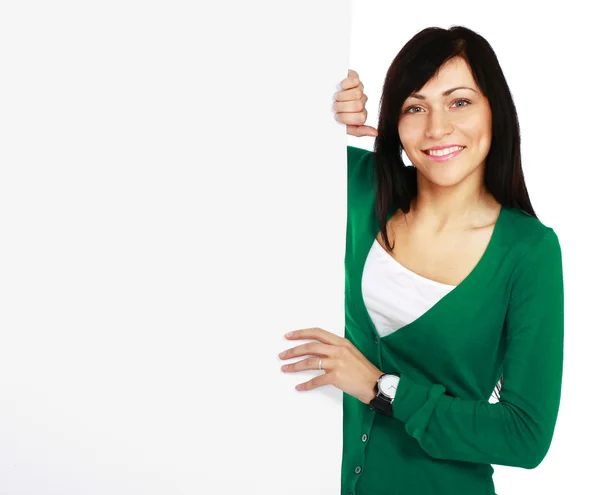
<point>444,151</point>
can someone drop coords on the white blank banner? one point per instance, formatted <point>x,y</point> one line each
<point>172,201</point>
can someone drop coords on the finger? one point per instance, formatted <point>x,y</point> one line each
<point>352,93</point>
<point>318,334</point>
<point>307,364</point>
<point>351,118</point>
<point>312,348</point>
<point>361,130</point>
<point>319,381</point>
<point>351,106</point>
<point>351,81</point>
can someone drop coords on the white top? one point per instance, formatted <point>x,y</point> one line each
<point>394,296</point>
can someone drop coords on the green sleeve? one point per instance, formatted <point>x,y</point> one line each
<point>360,174</point>
<point>517,430</point>
<point>355,155</point>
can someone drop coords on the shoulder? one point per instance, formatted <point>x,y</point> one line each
<point>529,239</point>
<point>524,228</point>
<point>357,154</point>
<point>360,161</point>
<point>361,169</point>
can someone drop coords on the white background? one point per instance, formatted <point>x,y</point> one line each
<point>172,200</point>
<point>549,57</point>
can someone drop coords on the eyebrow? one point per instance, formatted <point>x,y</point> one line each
<point>445,93</point>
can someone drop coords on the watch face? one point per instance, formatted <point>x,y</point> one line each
<point>388,385</point>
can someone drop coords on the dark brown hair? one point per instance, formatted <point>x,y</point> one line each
<point>417,62</point>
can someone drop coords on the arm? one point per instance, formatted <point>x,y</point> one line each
<point>517,430</point>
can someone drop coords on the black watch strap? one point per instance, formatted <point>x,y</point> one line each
<point>382,405</point>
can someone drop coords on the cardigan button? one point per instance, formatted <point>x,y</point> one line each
<point>358,469</point>
<point>364,437</point>
<point>376,340</point>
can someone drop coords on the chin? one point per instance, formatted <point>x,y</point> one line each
<point>446,178</point>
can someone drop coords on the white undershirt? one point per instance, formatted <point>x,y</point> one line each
<point>395,296</point>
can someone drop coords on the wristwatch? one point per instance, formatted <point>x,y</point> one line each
<point>386,392</point>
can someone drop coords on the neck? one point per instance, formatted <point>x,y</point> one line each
<point>444,209</point>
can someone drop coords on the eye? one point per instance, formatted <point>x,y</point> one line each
<point>465,100</point>
<point>408,110</point>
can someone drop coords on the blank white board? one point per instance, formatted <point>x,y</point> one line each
<point>172,201</point>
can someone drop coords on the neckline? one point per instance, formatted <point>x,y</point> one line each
<point>395,262</point>
<point>448,296</point>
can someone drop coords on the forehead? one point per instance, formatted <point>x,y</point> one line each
<point>455,72</point>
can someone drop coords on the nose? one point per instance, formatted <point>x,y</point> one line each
<point>438,125</point>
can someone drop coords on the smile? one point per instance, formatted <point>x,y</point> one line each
<point>443,155</point>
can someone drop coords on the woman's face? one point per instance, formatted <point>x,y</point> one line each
<point>430,118</point>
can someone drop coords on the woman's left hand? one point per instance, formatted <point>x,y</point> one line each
<point>345,366</point>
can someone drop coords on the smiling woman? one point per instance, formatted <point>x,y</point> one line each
<point>422,126</point>
<point>453,285</point>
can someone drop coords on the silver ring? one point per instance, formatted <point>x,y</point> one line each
<point>320,359</point>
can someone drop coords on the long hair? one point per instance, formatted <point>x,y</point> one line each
<point>417,62</point>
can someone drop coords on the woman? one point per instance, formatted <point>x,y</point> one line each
<point>452,283</point>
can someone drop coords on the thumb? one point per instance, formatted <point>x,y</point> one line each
<point>361,130</point>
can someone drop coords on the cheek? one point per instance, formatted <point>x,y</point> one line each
<point>481,124</point>
<point>477,128</point>
<point>409,134</point>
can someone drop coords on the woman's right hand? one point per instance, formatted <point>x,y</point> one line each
<point>350,106</point>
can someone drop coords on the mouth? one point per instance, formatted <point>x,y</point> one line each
<point>443,154</point>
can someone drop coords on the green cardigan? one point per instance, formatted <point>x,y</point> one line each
<point>505,319</point>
